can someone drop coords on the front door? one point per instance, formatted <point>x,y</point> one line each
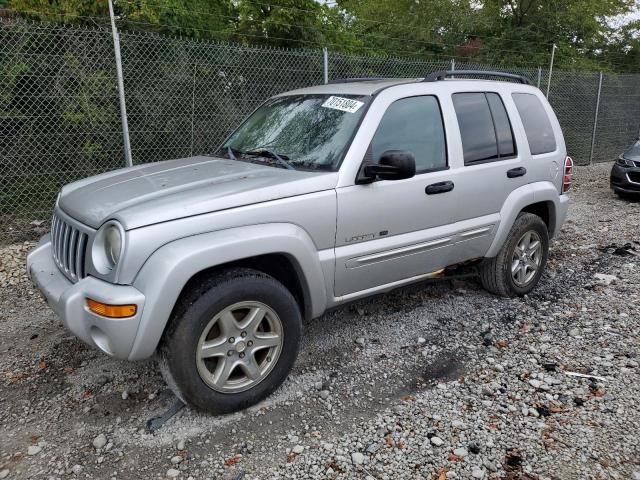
<point>390,230</point>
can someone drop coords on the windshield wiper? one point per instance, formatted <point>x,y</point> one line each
<point>231,154</point>
<point>281,159</point>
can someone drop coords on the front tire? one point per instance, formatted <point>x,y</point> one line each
<point>517,268</point>
<point>231,341</point>
<point>629,197</point>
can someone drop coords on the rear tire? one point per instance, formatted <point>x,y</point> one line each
<point>231,341</point>
<point>517,268</point>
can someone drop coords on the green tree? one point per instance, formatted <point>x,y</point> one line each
<point>298,23</point>
<point>622,51</point>
<point>503,32</point>
<point>194,18</point>
<point>521,30</point>
<point>507,32</point>
<point>423,27</point>
<point>69,11</point>
<point>191,18</point>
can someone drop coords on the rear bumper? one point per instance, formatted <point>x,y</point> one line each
<point>114,337</point>
<point>621,180</point>
<point>561,214</point>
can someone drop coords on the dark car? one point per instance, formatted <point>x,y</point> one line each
<point>625,174</point>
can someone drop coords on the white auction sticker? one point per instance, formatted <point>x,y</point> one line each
<point>344,104</point>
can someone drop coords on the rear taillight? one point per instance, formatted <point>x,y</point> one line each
<point>566,178</point>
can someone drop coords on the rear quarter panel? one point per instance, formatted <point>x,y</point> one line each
<point>546,167</point>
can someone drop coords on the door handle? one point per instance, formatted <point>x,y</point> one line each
<point>516,172</point>
<point>440,187</point>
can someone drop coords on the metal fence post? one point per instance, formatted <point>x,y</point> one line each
<point>595,120</point>
<point>325,64</point>
<point>193,102</point>
<point>539,75</point>
<point>453,64</point>
<point>553,54</point>
<point>123,105</point>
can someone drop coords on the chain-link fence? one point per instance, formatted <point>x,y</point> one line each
<point>60,119</point>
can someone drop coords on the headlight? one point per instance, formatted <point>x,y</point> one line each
<point>107,247</point>
<point>112,244</point>
<point>624,162</point>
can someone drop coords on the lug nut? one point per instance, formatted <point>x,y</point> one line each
<point>243,334</point>
<point>229,353</point>
<point>242,355</point>
<point>249,343</point>
<point>231,340</point>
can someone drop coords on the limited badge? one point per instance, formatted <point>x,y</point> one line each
<point>343,104</point>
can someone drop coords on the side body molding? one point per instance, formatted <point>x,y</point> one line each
<point>523,197</point>
<point>167,271</point>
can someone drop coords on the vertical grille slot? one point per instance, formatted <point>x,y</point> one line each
<point>69,245</point>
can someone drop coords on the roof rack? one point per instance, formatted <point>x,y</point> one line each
<point>442,74</point>
<point>356,79</point>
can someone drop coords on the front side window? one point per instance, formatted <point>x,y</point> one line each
<point>307,131</point>
<point>485,128</point>
<point>413,124</point>
<point>536,123</point>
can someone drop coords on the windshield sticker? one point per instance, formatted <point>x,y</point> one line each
<point>343,104</point>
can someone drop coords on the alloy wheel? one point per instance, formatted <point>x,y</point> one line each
<point>526,259</point>
<point>239,347</point>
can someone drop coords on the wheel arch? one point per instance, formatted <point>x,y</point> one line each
<point>279,250</point>
<point>282,266</point>
<point>541,199</point>
<point>546,211</point>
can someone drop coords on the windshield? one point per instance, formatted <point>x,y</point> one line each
<point>634,152</point>
<point>307,131</point>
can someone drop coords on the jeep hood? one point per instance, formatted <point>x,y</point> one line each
<point>157,192</point>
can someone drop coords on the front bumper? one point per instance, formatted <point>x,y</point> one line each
<point>621,181</point>
<point>114,336</point>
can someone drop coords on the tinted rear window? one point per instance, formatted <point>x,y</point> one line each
<point>506,147</point>
<point>536,123</point>
<point>484,127</point>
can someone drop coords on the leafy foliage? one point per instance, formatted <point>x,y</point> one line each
<point>507,32</point>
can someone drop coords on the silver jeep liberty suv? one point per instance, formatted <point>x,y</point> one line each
<point>322,196</point>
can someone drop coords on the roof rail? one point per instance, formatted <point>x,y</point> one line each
<point>442,74</point>
<point>356,79</point>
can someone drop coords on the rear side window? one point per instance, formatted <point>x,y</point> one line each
<point>536,123</point>
<point>484,127</point>
<point>413,124</point>
<point>504,135</point>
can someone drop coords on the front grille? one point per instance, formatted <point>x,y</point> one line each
<point>69,248</point>
<point>634,177</point>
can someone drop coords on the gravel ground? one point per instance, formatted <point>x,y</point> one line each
<point>434,381</point>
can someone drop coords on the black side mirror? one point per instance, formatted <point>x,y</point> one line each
<point>394,165</point>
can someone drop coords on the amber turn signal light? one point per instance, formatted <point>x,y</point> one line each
<point>111,311</point>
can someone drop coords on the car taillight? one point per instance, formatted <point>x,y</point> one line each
<point>566,179</point>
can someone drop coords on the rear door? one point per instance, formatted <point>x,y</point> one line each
<point>492,167</point>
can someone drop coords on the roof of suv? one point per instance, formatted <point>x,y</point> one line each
<point>370,87</point>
